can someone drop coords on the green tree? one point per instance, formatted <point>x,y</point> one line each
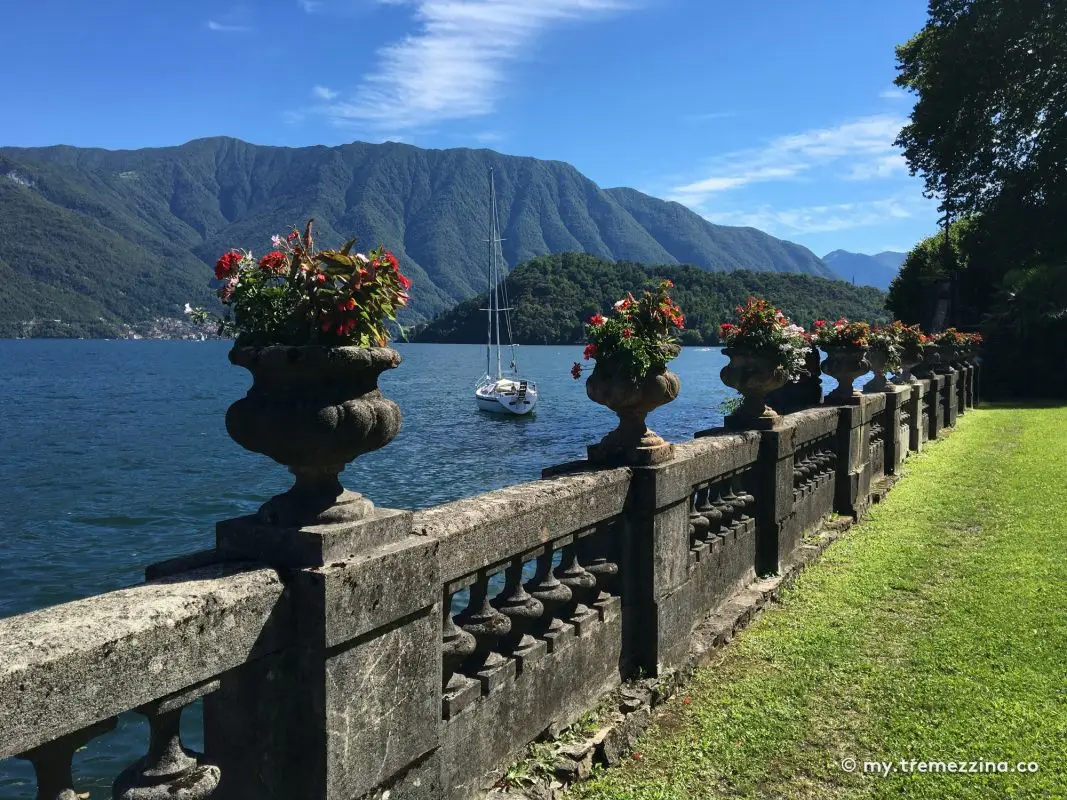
<point>988,132</point>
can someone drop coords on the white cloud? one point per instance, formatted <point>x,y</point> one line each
<point>223,28</point>
<point>893,93</point>
<point>823,218</point>
<point>309,6</point>
<point>324,92</point>
<point>877,168</point>
<point>864,141</point>
<point>453,65</point>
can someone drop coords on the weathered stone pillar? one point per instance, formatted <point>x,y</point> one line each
<point>951,397</point>
<point>853,489</point>
<point>897,436</point>
<point>355,704</point>
<point>774,471</point>
<point>658,563</point>
<point>936,417</point>
<point>914,407</point>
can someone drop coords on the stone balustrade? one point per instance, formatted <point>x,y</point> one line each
<point>416,652</point>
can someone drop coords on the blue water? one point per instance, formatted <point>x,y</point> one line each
<point>115,455</point>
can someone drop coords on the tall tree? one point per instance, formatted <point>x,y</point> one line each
<point>989,129</point>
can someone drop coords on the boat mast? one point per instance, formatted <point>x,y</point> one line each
<point>489,311</point>
<point>494,236</point>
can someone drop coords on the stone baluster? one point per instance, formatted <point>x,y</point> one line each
<point>711,513</point>
<point>726,512</point>
<point>738,504</point>
<point>169,769</point>
<point>524,610</point>
<point>698,522</point>
<point>749,507</point>
<point>582,585</point>
<point>457,645</point>
<point>554,597</point>
<point>488,626</point>
<point>599,563</point>
<point>52,761</point>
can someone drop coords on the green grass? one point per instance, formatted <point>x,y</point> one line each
<point>935,631</point>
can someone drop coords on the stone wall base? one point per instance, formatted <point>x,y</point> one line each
<point>621,717</point>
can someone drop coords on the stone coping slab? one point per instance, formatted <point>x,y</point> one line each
<point>68,666</point>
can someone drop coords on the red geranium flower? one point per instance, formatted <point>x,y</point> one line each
<point>597,319</point>
<point>627,333</point>
<point>589,352</point>
<point>226,265</point>
<point>576,371</point>
<point>405,282</point>
<point>273,261</point>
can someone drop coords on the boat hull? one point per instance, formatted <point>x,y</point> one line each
<point>510,402</point>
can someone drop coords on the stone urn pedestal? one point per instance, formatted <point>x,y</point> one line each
<point>844,364</point>
<point>944,356</point>
<point>754,375</point>
<point>313,409</point>
<point>909,360</point>
<point>878,360</point>
<point>632,442</point>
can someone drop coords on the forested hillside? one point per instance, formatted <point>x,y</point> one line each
<point>555,295</point>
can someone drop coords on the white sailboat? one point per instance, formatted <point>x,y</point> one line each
<point>501,392</point>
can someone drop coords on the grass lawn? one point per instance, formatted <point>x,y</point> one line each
<point>934,631</point>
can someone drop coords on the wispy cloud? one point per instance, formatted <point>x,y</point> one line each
<point>309,6</point>
<point>824,218</point>
<point>453,65</point>
<point>893,93</point>
<point>860,141</point>
<point>876,168</point>
<point>220,27</point>
<point>324,92</point>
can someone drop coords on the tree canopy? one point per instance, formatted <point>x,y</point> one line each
<point>988,132</point>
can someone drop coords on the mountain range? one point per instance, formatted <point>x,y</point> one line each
<point>97,237</point>
<point>864,270</point>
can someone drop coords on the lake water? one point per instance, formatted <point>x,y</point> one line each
<point>114,454</point>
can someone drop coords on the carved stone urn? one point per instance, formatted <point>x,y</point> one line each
<point>909,360</point>
<point>945,355</point>
<point>631,442</point>
<point>878,359</point>
<point>314,409</point>
<point>844,363</point>
<point>755,375</point>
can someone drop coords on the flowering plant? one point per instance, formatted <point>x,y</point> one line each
<point>950,336</point>
<point>841,333</point>
<point>636,338</point>
<point>297,295</point>
<point>911,338</point>
<point>887,340</point>
<point>974,339</point>
<point>765,330</point>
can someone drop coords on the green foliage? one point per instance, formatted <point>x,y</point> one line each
<point>762,328</point>
<point>130,235</point>
<point>988,132</point>
<point>636,338</point>
<point>555,295</point>
<point>928,263</point>
<point>298,295</point>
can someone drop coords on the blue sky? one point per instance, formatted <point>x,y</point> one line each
<point>778,114</point>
